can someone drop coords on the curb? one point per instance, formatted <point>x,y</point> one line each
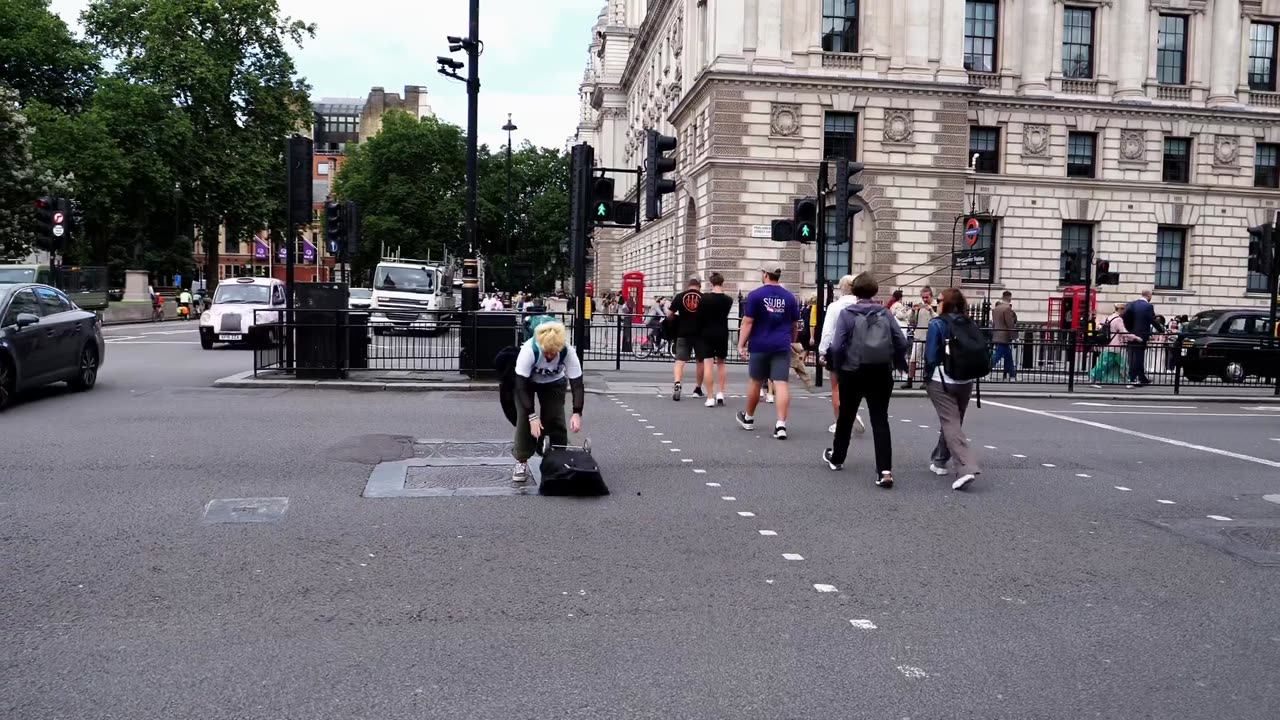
<point>245,380</point>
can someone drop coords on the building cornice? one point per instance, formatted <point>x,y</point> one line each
<point>1048,105</point>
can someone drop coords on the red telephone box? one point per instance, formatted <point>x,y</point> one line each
<point>633,289</point>
<point>1067,312</point>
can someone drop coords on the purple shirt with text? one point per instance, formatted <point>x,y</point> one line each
<point>774,312</point>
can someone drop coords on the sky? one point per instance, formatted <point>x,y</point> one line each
<point>535,53</point>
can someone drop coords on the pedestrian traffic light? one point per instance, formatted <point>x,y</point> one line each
<point>1072,268</point>
<point>1262,249</point>
<point>1104,275</point>
<point>806,219</point>
<point>846,189</point>
<point>601,207</point>
<point>657,165</point>
<point>624,213</point>
<point>334,232</point>
<point>782,231</point>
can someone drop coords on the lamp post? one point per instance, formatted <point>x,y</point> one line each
<point>510,127</point>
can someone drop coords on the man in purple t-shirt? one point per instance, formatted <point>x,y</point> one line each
<point>769,318</point>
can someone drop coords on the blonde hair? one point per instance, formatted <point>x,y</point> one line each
<point>551,337</point>
<point>846,285</point>
<point>1120,307</point>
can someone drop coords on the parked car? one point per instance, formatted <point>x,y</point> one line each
<point>45,338</point>
<point>360,298</point>
<point>240,312</point>
<point>1230,344</point>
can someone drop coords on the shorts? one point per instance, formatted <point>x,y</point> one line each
<point>713,348</point>
<point>917,351</point>
<point>687,349</point>
<point>775,366</point>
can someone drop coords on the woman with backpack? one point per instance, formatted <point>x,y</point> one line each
<point>546,367</point>
<point>955,354</point>
<point>1112,366</point>
<point>866,346</point>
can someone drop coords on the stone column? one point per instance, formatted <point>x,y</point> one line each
<point>1037,19</point>
<point>1224,69</point>
<point>1131,60</point>
<point>916,40</point>
<point>951,54</point>
<point>769,32</point>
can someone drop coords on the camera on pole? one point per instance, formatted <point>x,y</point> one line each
<point>657,165</point>
<point>805,219</point>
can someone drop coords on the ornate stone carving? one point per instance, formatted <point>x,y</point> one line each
<point>1226,150</point>
<point>1035,140</point>
<point>898,126</point>
<point>1133,145</point>
<point>784,120</point>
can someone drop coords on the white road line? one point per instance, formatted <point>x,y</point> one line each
<point>1020,456</point>
<point>153,342</point>
<point>904,420</point>
<point>1219,518</point>
<point>1122,488</point>
<point>700,471</point>
<point>730,498</point>
<point>991,447</point>
<point>674,449</point>
<point>644,419</point>
<point>1145,436</point>
<point>824,588</point>
<point>863,624</point>
<point>1048,465</point>
<point>1122,412</point>
<point>914,673</point>
<point>648,427</point>
<point>1136,407</point>
<point>746,513</point>
<point>792,556</point>
<point>768,533</point>
<point>664,442</point>
<point>713,484</point>
<point>1166,502</point>
<point>686,459</point>
<point>926,427</point>
<point>1083,475</point>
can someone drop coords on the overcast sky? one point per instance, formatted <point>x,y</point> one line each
<point>535,52</point>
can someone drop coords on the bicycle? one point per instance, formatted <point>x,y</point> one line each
<point>652,345</point>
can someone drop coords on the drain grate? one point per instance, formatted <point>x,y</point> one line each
<point>452,449</point>
<point>457,476</point>
<point>1257,541</point>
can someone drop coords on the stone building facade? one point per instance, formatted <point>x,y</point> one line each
<point>1149,127</point>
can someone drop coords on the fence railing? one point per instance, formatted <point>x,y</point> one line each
<point>344,342</point>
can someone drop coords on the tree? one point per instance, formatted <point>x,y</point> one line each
<point>539,217</point>
<point>17,178</point>
<point>226,68</point>
<point>41,59</point>
<point>409,182</point>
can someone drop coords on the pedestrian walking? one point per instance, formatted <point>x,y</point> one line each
<point>1140,318</point>
<point>1111,367</point>
<point>684,315</point>
<point>954,346</point>
<point>866,346</point>
<point>713,337</point>
<point>546,367</point>
<point>827,334</point>
<point>1004,321</point>
<point>921,314</point>
<point>768,330</point>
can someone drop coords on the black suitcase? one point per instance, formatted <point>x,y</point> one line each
<point>570,471</point>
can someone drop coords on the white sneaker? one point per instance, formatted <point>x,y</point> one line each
<point>720,399</point>
<point>962,481</point>
<point>711,402</point>
<point>858,426</point>
<point>937,470</point>
<point>780,432</point>
<point>769,398</point>
<point>520,474</point>
<point>832,429</point>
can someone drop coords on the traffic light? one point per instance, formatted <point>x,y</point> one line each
<point>782,231</point>
<point>334,232</point>
<point>601,207</point>
<point>846,189</point>
<point>44,217</point>
<point>1104,275</point>
<point>625,213</point>
<point>351,223</point>
<point>1072,268</point>
<point>1262,249</point>
<point>806,219</point>
<point>657,165</point>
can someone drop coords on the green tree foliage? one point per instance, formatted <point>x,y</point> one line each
<point>539,217</point>
<point>17,178</point>
<point>41,59</point>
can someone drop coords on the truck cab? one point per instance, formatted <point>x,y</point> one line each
<point>244,310</point>
<point>411,295</point>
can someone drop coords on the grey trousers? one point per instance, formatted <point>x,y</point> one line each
<point>550,398</point>
<point>950,401</point>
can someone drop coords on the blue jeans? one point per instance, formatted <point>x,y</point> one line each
<point>1005,351</point>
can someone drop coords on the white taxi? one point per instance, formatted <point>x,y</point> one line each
<point>241,307</point>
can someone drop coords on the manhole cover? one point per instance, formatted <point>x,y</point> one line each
<point>245,510</point>
<point>1257,541</point>
<point>458,476</point>
<point>449,449</point>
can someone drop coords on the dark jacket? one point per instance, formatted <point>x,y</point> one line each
<point>1140,318</point>
<point>868,307</point>
<point>1003,322</point>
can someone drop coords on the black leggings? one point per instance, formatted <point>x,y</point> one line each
<point>875,384</point>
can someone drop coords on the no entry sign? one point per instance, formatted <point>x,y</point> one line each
<point>972,229</point>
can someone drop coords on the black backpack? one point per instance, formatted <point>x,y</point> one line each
<point>964,353</point>
<point>868,340</point>
<point>570,471</point>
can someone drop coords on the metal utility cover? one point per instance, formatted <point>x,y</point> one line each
<point>1257,541</point>
<point>245,510</point>
<point>450,468</point>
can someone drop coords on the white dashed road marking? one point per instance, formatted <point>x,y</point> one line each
<point>914,673</point>
<point>674,449</point>
<point>1219,518</point>
<point>1020,456</point>
<point>863,624</point>
<point>792,556</point>
<point>824,588</point>
<point>730,498</point>
<point>1166,502</point>
<point>1083,475</point>
<point>700,471</point>
<point>768,533</point>
<point>1048,465</point>
<point>713,484</point>
<point>666,442</point>
<point>1122,488</point>
<point>990,447</point>
<point>686,459</point>
<point>745,513</point>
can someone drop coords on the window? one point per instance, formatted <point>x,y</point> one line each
<point>1177,160</point>
<point>839,257</point>
<point>1170,250</point>
<point>840,136</point>
<point>986,241</point>
<point>1257,283</point>
<point>1266,172</point>
<point>1077,42</point>
<point>23,302</point>
<point>1081,148</point>
<point>340,123</point>
<point>980,33</point>
<point>1262,57</point>
<point>1171,50</point>
<point>985,143</point>
<point>52,302</point>
<point>840,26</point>
<point>322,169</point>
<point>1075,239</point>
<point>231,245</point>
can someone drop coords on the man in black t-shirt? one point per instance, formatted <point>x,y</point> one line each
<point>684,313</point>
<point>713,338</point>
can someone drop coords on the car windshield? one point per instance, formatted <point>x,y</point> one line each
<point>17,275</point>
<point>361,293</point>
<point>1201,321</point>
<point>405,279</point>
<point>242,294</point>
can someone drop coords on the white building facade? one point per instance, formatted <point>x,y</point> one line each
<point>1149,127</point>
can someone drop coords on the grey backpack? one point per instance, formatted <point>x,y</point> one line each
<point>868,340</point>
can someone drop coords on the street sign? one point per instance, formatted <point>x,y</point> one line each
<point>972,229</point>
<point>58,231</point>
<point>58,218</point>
<point>761,231</point>
<point>972,259</point>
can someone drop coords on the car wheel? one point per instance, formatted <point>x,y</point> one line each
<point>8,383</point>
<point>206,341</point>
<point>87,374</point>
<point>1233,373</point>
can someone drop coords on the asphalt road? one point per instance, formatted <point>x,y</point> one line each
<point>1048,590</point>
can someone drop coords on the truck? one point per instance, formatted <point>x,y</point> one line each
<point>86,286</point>
<point>411,294</point>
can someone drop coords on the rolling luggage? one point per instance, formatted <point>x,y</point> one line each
<point>570,471</point>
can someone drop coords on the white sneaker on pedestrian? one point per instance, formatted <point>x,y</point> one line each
<point>826,457</point>
<point>859,426</point>
<point>520,474</point>
<point>747,423</point>
<point>1131,387</point>
<point>711,402</point>
<point>769,398</point>
<point>832,429</point>
<point>720,399</point>
<point>780,431</point>
<point>962,481</point>
<point>933,468</point>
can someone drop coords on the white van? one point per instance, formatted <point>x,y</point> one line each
<point>411,294</point>
<point>239,308</point>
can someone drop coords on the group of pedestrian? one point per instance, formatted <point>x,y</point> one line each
<point>1126,334</point>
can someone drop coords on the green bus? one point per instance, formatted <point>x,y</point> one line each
<point>86,286</point>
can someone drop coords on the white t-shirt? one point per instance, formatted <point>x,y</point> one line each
<point>534,365</point>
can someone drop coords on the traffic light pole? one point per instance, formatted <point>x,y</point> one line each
<point>821,233</point>
<point>471,290</point>
<point>581,158</point>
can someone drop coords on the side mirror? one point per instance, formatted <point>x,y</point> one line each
<point>26,320</point>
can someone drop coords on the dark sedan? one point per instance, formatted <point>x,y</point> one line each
<point>1230,344</point>
<point>45,338</point>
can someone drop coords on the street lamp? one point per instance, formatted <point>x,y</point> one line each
<point>510,127</point>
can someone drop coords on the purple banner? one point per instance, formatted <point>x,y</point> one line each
<point>261,251</point>
<point>284,253</point>
<point>308,251</point>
